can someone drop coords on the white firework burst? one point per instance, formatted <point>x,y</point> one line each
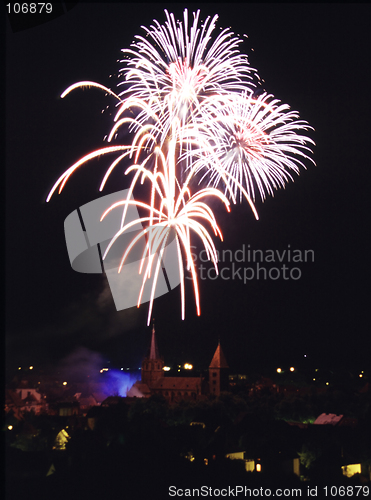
<point>189,103</point>
<point>256,141</point>
<point>176,66</point>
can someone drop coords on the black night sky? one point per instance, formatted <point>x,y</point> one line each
<point>314,58</point>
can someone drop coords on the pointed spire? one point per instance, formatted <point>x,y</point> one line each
<point>219,360</point>
<point>153,352</point>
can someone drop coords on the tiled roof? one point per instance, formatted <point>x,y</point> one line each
<point>219,360</point>
<point>30,399</point>
<point>99,396</point>
<point>139,390</point>
<point>328,418</point>
<point>177,383</point>
<point>11,397</point>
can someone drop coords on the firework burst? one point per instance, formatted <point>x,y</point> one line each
<point>173,210</point>
<point>175,67</point>
<point>257,142</point>
<point>190,107</point>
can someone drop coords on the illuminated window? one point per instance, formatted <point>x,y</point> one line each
<point>249,465</point>
<point>61,440</point>
<point>351,469</point>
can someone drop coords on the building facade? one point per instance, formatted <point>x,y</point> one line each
<point>154,381</point>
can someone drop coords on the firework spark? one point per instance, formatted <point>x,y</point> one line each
<point>176,66</point>
<point>173,209</point>
<point>190,107</point>
<point>256,141</point>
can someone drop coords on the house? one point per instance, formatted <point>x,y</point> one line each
<point>65,408</point>
<point>24,399</point>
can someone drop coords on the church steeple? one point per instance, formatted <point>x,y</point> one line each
<point>219,360</point>
<point>153,364</point>
<point>218,380</point>
<point>153,352</point>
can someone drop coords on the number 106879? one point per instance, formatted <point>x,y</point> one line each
<point>31,8</point>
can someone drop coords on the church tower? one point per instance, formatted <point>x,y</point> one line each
<point>218,372</point>
<point>152,364</point>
